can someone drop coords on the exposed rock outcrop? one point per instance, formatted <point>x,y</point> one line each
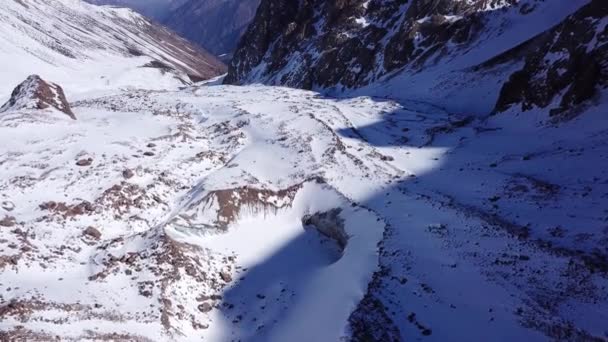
<point>319,43</point>
<point>330,224</point>
<point>567,65</point>
<point>220,208</point>
<point>341,45</point>
<point>36,93</point>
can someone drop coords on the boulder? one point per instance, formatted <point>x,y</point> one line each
<point>92,232</point>
<point>85,162</point>
<point>128,173</point>
<point>8,221</point>
<point>226,277</point>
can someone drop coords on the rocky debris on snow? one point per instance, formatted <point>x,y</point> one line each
<point>9,260</point>
<point>157,274</point>
<point>36,93</point>
<point>19,333</point>
<point>423,330</point>
<point>65,211</point>
<point>205,307</point>
<point>122,197</point>
<point>370,321</point>
<point>179,271</point>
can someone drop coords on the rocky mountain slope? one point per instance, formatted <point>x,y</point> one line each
<point>68,40</point>
<point>563,67</point>
<point>215,24</point>
<point>440,51</point>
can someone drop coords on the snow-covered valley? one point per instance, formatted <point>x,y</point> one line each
<point>456,192</point>
<point>266,213</point>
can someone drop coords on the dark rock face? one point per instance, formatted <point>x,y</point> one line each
<point>570,60</point>
<point>348,44</point>
<point>35,93</point>
<point>321,43</point>
<point>217,25</point>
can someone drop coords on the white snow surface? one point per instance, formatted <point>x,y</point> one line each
<point>482,238</point>
<point>83,47</point>
<point>178,214</point>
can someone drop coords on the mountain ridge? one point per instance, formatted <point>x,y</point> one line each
<point>107,43</point>
<point>215,25</point>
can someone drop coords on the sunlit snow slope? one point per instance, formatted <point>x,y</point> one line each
<point>269,214</point>
<point>86,47</point>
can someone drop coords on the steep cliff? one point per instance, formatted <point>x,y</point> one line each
<point>440,51</point>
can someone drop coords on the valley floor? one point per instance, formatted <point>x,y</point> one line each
<point>262,213</point>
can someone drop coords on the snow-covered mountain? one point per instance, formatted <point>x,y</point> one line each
<point>462,200</point>
<point>440,51</point>
<point>156,9</point>
<point>216,25</point>
<point>67,41</point>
